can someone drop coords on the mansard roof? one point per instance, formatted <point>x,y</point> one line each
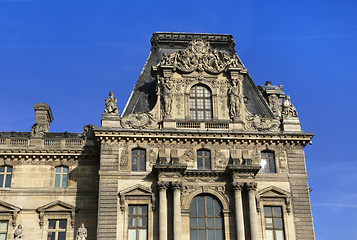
<point>143,98</point>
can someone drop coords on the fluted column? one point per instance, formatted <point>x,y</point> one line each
<point>162,210</point>
<point>237,187</point>
<point>254,229</point>
<point>177,210</point>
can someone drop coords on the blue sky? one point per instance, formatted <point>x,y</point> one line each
<point>70,54</point>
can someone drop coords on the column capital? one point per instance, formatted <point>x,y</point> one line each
<point>177,185</point>
<point>252,186</point>
<point>162,185</point>
<point>237,186</point>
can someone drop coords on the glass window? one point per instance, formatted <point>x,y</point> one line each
<point>5,176</point>
<point>3,229</point>
<point>57,229</point>
<point>268,162</point>
<point>206,221</point>
<point>200,103</point>
<point>138,222</point>
<point>203,159</point>
<point>138,160</point>
<point>274,226</point>
<point>61,179</point>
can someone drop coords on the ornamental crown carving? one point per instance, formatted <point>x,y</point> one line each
<point>201,57</point>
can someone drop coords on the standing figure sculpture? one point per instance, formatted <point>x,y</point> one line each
<point>167,89</point>
<point>81,233</point>
<point>19,233</point>
<point>234,99</point>
<point>111,104</point>
<point>289,109</point>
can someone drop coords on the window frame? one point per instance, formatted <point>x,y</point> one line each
<point>61,174</point>
<point>204,158</point>
<point>270,161</point>
<point>272,216</point>
<point>138,162</point>
<point>7,228</point>
<point>5,174</point>
<point>57,230</point>
<point>195,98</point>
<point>206,216</point>
<point>137,217</point>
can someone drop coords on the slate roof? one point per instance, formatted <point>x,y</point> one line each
<point>143,97</point>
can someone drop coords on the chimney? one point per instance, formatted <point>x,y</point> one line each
<point>43,119</point>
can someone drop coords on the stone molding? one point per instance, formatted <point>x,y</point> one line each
<point>11,210</point>
<point>272,192</point>
<point>136,192</point>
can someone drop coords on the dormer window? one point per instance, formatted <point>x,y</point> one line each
<point>200,103</point>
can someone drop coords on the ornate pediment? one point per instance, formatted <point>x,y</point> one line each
<point>137,191</point>
<point>56,207</point>
<point>11,210</point>
<point>273,192</point>
<point>201,57</point>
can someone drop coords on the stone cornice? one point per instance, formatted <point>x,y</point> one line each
<point>226,137</point>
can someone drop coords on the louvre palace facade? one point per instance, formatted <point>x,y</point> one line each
<point>199,152</point>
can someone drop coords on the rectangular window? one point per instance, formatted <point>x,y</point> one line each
<point>57,229</point>
<point>268,162</point>
<point>3,229</point>
<point>61,179</point>
<point>274,226</point>
<point>138,222</point>
<point>5,176</point>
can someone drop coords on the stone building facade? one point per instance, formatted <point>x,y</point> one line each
<point>199,152</point>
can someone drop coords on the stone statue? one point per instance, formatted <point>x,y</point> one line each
<point>234,99</point>
<point>88,131</point>
<point>111,104</point>
<point>19,233</point>
<point>167,89</point>
<point>81,233</point>
<point>289,109</point>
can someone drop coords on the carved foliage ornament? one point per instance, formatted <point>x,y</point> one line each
<point>260,123</point>
<point>199,56</point>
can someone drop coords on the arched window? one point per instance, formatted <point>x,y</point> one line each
<point>200,103</point>
<point>268,162</point>
<point>61,179</point>
<point>5,176</point>
<point>206,221</point>
<point>138,160</point>
<point>203,159</point>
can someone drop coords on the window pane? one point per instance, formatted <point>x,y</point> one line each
<point>51,236</point>
<point>132,221</point>
<point>1,180</point>
<point>217,208</point>
<point>9,169</point>
<point>267,211</point>
<point>202,235</point>
<point>278,223</point>
<point>8,180</point>
<point>269,222</point>
<point>219,235</point>
<point>134,164</point>
<point>219,222</point>
<point>58,169</point>
<point>201,206</point>
<point>2,169</point>
<point>193,208</point>
<point>62,224</point>
<point>207,103</point>
<point>193,222</point>
<point>58,181</point>
<point>3,225</point>
<point>51,224</point>
<point>210,222</point>
<point>272,166</point>
<point>270,235</point>
<point>201,222</point>
<point>142,164</point>
<point>143,210</point>
<point>209,201</point>
<point>142,234</point>
<point>131,209</point>
<point>199,163</point>
<point>193,114</point>
<point>264,166</point>
<point>277,211</point>
<point>132,234</point>
<point>65,170</point>
<point>208,115</point>
<point>200,153</point>
<point>193,234</point>
<point>211,234</point>
<point>208,163</point>
<point>3,236</point>
<point>62,236</point>
<point>64,180</point>
<point>143,222</point>
<point>200,103</point>
<point>279,235</point>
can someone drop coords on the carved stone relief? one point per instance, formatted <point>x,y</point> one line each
<point>124,159</point>
<point>260,123</point>
<point>139,121</point>
<point>220,159</point>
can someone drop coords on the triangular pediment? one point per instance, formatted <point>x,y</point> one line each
<point>273,192</point>
<point>136,190</point>
<point>57,206</point>
<point>7,207</point>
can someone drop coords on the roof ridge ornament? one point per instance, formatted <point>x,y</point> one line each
<point>200,56</point>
